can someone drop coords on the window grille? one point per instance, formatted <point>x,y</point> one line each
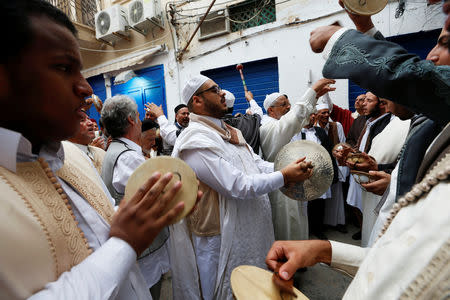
<point>251,13</point>
<point>81,11</point>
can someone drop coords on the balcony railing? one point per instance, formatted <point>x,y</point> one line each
<point>81,11</point>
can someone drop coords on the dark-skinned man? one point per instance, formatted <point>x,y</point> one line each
<point>60,236</point>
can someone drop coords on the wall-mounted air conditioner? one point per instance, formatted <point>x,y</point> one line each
<point>111,24</point>
<point>143,15</point>
<point>216,23</point>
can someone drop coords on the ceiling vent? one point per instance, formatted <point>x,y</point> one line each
<point>143,15</point>
<point>111,24</point>
<point>215,24</point>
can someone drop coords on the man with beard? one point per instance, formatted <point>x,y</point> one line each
<point>232,225</point>
<point>278,127</point>
<point>409,260</point>
<point>377,119</point>
<point>84,137</point>
<point>169,132</point>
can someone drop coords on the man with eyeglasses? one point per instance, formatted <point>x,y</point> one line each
<point>232,225</point>
<point>278,127</point>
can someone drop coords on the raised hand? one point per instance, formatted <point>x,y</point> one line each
<point>153,111</point>
<point>322,86</point>
<point>362,23</point>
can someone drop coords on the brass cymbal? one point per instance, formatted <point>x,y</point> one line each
<point>365,7</point>
<point>322,175</point>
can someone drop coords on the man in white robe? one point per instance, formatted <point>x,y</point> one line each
<point>281,123</point>
<point>385,149</point>
<point>232,224</point>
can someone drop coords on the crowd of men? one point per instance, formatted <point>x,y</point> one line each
<point>67,234</point>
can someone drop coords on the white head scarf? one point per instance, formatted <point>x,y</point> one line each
<point>229,98</point>
<point>270,99</point>
<point>322,105</point>
<point>191,86</point>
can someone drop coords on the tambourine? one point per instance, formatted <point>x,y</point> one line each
<point>181,172</point>
<point>365,7</point>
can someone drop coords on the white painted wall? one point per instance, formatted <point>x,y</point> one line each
<point>288,43</point>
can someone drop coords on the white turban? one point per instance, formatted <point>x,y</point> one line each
<point>322,105</point>
<point>191,86</point>
<point>270,100</point>
<point>229,98</point>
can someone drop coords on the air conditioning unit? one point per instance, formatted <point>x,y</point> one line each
<point>216,23</point>
<point>111,24</point>
<point>143,15</point>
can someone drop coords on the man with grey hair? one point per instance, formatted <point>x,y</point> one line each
<point>232,225</point>
<point>121,119</point>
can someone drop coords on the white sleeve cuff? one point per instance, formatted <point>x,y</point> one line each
<point>347,257</point>
<point>162,120</point>
<point>278,179</point>
<point>371,32</point>
<point>332,41</point>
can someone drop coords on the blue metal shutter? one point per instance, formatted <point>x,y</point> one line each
<point>419,43</point>
<point>261,77</point>
<point>148,86</point>
<point>98,86</point>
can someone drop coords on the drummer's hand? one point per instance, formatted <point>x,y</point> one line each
<point>319,37</point>
<point>139,220</point>
<point>369,165</point>
<point>362,23</point>
<point>293,255</point>
<point>379,186</point>
<point>297,171</point>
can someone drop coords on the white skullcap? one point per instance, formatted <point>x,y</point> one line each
<point>270,99</point>
<point>322,105</point>
<point>191,86</point>
<point>229,98</point>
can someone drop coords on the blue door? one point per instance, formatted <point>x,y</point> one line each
<point>261,77</point>
<point>148,86</point>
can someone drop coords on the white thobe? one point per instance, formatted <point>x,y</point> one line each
<point>288,217</point>
<point>167,130</point>
<point>154,265</point>
<point>255,109</point>
<point>242,180</point>
<point>110,272</point>
<point>416,243</point>
<point>385,149</point>
<point>335,206</point>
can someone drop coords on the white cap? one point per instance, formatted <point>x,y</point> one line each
<point>270,99</point>
<point>191,86</point>
<point>322,105</point>
<point>229,98</point>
